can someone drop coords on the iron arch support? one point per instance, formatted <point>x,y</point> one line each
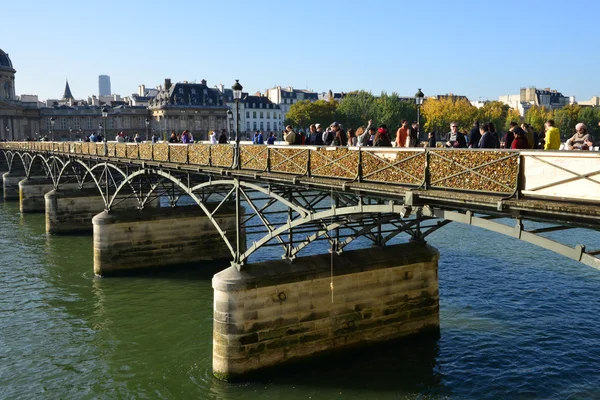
<point>577,253</point>
<point>188,191</point>
<point>347,241</point>
<point>358,209</point>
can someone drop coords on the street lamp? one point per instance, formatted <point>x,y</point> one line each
<point>7,131</point>
<point>104,116</point>
<point>147,126</point>
<point>70,134</point>
<point>237,95</point>
<point>80,131</point>
<point>52,121</point>
<point>230,120</point>
<point>419,101</point>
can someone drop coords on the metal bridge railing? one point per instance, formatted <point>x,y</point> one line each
<point>473,170</point>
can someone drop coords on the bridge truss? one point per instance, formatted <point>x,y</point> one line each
<point>294,212</point>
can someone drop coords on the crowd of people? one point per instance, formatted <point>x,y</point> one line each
<point>482,135</point>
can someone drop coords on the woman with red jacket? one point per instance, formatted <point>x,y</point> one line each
<point>519,141</point>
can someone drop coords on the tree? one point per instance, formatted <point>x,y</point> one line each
<point>566,118</point>
<point>536,116</point>
<point>439,113</point>
<point>356,108</point>
<point>390,110</point>
<point>512,116</point>
<point>494,112</point>
<point>590,117</point>
<point>305,112</point>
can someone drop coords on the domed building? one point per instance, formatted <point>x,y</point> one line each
<point>7,78</point>
<point>18,120</point>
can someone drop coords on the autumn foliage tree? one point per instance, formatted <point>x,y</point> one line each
<point>439,113</point>
<point>495,112</point>
<point>512,115</point>
<point>536,116</point>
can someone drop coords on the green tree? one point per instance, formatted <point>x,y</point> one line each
<point>305,112</point>
<point>590,116</point>
<point>566,118</point>
<point>390,110</point>
<point>356,108</point>
<point>495,112</point>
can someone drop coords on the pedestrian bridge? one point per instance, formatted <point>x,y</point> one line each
<point>305,193</point>
<point>247,200</point>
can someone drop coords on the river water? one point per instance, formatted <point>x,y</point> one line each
<point>516,322</point>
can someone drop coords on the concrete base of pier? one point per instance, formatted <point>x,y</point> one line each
<point>3,170</point>
<point>272,313</point>
<point>10,184</point>
<point>31,194</point>
<point>72,210</point>
<point>159,237</point>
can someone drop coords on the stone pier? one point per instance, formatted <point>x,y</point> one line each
<point>71,210</point>
<point>31,194</point>
<point>160,237</point>
<point>274,312</point>
<point>10,183</point>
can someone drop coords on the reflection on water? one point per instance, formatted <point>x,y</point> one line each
<point>516,322</point>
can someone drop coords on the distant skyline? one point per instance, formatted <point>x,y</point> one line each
<point>475,48</point>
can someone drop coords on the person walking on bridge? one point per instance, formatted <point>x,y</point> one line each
<point>402,134</point>
<point>290,135</point>
<point>552,136</point>
<point>474,136</point>
<point>454,138</point>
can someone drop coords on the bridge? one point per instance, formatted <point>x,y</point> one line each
<point>252,198</point>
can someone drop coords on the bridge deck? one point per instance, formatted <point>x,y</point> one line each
<point>547,186</point>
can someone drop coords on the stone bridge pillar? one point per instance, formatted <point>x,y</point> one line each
<point>10,183</point>
<point>273,313</point>
<point>31,194</point>
<point>160,237</point>
<point>71,210</point>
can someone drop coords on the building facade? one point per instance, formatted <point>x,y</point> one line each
<point>18,120</point>
<point>191,106</point>
<point>77,122</point>
<point>285,97</point>
<point>531,96</point>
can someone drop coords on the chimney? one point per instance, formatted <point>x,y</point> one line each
<point>142,90</point>
<point>167,83</point>
<point>203,82</point>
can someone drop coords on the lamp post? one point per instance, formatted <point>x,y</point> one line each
<point>80,131</point>
<point>70,134</point>
<point>7,131</point>
<point>237,95</point>
<point>230,122</point>
<point>104,116</point>
<point>419,101</point>
<point>147,126</point>
<point>52,122</point>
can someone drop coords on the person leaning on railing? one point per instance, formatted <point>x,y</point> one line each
<point>581,140</point>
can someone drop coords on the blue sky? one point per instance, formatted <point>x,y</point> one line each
<point>476,48</point>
